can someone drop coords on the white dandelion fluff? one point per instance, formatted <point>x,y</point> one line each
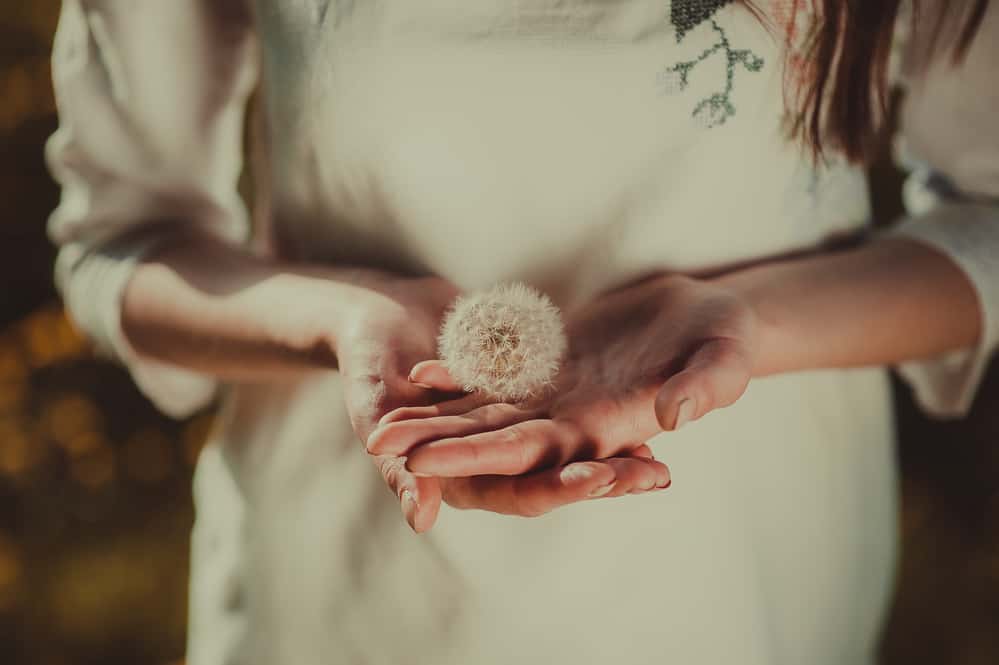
<point>506,342</point>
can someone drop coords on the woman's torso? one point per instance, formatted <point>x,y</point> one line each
<point>540,140</point>
<point>537,141</point>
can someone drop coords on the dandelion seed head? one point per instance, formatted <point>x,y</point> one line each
<point>506,342</point>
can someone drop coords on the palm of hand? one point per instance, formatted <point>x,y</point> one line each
<point>642,358</point>
<point>626,346</point>
<point>381,347</point>
<point>395,329</point>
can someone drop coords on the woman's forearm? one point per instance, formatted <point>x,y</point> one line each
<point>888,301</point>
<point>205,305</point>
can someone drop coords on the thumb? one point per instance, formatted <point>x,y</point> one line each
<point>715,376</point>
<point>433,374</point>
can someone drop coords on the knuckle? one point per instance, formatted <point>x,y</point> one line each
<point>514,435</point>
<point>724,387</point>
<point>527,455</point>
<point>391,470</point>
<point>685,382</point>
<point>697,383</point>
<point>706,393</point>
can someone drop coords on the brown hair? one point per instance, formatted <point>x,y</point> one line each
<point>835,112</point>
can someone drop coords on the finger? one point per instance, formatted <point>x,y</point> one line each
<point>714,377</point>
<point>451,407</point>
<point>419,498</point>
<point>399,437</point>
<point>531,495</point>
<point>510,451</point>
<point>543,491</point>
<point>643,451</point>
<point>370,396</point>
<point>433,374</point>
<point>637,475</point>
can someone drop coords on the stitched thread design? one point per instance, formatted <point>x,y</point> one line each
<point>718,107</point>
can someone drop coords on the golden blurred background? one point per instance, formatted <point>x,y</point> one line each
<point>95,505</point>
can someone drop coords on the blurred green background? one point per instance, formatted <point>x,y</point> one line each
<point>95,485</point>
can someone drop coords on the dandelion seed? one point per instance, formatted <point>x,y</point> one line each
<point>506,342</point>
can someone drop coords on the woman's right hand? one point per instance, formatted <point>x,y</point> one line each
<point>207,306</point>
<point>391,325</point>
<point>204,305</point>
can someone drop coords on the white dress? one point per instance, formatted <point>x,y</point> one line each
<point>549,141</point>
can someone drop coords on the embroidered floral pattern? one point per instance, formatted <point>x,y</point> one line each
<point>718,107</point>
<point>688,14</point>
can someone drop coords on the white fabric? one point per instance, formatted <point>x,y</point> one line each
<point>150,106</point>
<point>484,141</point>
<point>949,135</point>
<point>969,234</point>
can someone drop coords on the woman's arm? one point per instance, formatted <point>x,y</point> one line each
<point>886,302</point>
<point>150,232</point>
<point>208,306</point>
<point>629,375</point>
<point>151,98</point>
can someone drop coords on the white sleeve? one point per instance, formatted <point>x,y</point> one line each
<point>151,96</point>
<point>950,143</point>
<point>968,234</point>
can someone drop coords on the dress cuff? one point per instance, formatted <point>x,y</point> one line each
<point>968,234</point>
<point>93,298</point>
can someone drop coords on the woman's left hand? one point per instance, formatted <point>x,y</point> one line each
<point>642,359</point>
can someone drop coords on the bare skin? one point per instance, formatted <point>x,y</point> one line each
<point>202,304</point>
<point>676,349</point>
<point>625,349</point>
<point>655,355</point>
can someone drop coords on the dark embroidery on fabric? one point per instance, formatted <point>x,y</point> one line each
<point>686,15</point>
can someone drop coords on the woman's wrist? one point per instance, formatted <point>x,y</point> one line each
<point>889,301</point>
<point>212,307</point>
<point>324,304</point>
<point>774,340</point>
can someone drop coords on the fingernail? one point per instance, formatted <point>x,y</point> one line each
<point>409,508</point>
<point>414,374</point>
<point>575,473</point>
<point>420,385</point>
<point>662,487</point>
<point>684,412</point>
<point>601,491</point>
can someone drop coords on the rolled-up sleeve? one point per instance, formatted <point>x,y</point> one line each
<point>151,97</point>
<point>949,143</point>
<point>968,234</point>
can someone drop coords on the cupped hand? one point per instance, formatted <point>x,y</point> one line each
<point>393,327</point>
<point>643,358</point>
